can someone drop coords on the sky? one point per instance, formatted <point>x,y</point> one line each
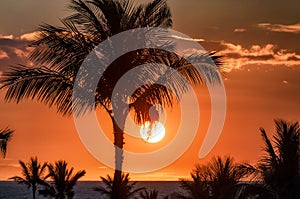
<point>259,42</point>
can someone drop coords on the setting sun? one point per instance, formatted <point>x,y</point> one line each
<point>152,133</point>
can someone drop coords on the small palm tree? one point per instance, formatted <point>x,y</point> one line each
<point>33,174</point>
<point>152,194</point>
<point>218,179</point>
<point>128,189</point>
<point>63,181</point>
<point>279,167</point>
<point>5,136</point>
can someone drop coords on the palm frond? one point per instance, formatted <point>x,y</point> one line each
<point>88,19</point>
<point>33,174</point>
<point>43,84</point>
<point>271,159</point>
<point>63,180</point>
<point>255,190</point>
<point>128,189</point>
<point>157,14</point>
<point>5,136</point>
<point>152,194</point>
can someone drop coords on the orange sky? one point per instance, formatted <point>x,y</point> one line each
<point>261,52</point>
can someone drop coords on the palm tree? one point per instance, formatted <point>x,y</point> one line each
<point>280,166</point>
<point>5,136</point>
<point>59,52</point>
<point>128,189</point>
<point>63,181</point>
<point>152,194</point>
<point>33,174</point>
<point>217,179</point>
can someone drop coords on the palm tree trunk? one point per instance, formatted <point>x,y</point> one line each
<point>33,191</point>
<point>119,143</point>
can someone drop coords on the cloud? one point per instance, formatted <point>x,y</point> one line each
<point>9,165</point>
<point>22,53</point>
<point>29,36</point>
<point>13,51</point>
<point>294,28</point>
<point>3,55</point>
<point>236,56</point>
<point>6,36</point>
<point>285,82</point>
<point>239,30</point>
<point>187,39</point>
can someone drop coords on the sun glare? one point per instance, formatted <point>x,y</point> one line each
<point>152,133</point>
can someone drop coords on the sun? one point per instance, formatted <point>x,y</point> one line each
<point>152,133</point>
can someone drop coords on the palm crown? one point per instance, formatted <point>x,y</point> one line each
<point>59,52</point>
<point>33,174</point>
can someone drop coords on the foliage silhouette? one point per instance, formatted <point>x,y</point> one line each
<point>279,167</point>
<point>255,190</point>
<point>63,181</point>
<point>152,194</point>
<point>128,189</point>
<point>5,136</point>
<point>33,174</point>
<point>217,179</point>
<point>58,53</point>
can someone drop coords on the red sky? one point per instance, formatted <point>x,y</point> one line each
<point>260,45</point>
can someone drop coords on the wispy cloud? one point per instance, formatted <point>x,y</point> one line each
<point>9,165</point>
<point>3,54</point>
<point>22,53</point>
<point>294,28</point>
<point>6,36</point>
<point>13,51</point>
<point>239,30</point>
<point>29,36</point>
<point>187,39</point>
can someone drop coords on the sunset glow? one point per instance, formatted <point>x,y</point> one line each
<point>152,133</point>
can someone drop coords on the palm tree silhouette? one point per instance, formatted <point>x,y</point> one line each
<point>280,166</point>
<point>217,179</point>
<point>60,51</point>
<point>5,136</point>
<point>63,181</point>
<point>152,194</point>
<point>33,174</point>
<point>128,189</point>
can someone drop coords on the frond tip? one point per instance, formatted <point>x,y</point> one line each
<point>5,136</point>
